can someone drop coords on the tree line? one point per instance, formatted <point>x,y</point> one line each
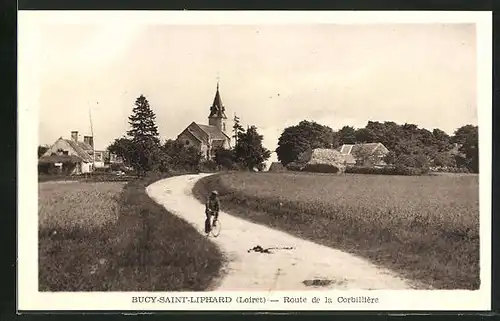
<point>142,149</point>
<point>408,144</point>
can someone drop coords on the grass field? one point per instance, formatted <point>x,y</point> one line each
<point>75,223</point>
<point>112,237</point>
<point>426,228</point>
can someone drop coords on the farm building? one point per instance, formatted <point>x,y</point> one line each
<point>320,160</point>
<point>367,154</point>
<point>207,138</point>
<point>73,156</point>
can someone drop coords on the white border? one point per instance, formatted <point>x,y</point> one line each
<point>28,68</point>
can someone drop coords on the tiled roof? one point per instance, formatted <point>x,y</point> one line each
<point>189,131</point>
<point>213,132</point>
<point>349,159</point>
<point>79,150</point>
<point>84,146</point>
<point>321,156</point>
<point>368,148</point>
<point>355,148</point>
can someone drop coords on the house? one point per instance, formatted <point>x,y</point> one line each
<point>365,154</point>
<point>68,156</point>
<point>72,156</point>
<point>207,138</point>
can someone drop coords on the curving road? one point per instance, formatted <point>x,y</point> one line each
<point>308,266</point>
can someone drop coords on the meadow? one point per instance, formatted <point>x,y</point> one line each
<point>424,227</point>
<point>110,236</point>
<point>75,221</point>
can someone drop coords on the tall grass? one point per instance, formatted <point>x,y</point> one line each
<point>113,237</point>
<point>427,227</point>
<point>75,223</point>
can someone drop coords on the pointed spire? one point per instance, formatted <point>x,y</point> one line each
<point>217,109</point>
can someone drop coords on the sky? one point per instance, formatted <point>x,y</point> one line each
<point>271,76</point>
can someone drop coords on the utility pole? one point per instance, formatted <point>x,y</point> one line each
<point>93,142</point>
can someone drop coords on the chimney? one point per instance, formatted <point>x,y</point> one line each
<point>89,140</point>
<point>74,135</point>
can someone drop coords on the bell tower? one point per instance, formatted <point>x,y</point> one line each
<point>217,115</point>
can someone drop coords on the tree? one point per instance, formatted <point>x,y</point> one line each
<point>142,121</point>
<point>42,150</point>
<point>237,128</point>
<point>442,141</point>
<point>468,137</point>
<point>443,159</point>
<point>460,135</point>
<point>377,132</point>
<point>363,135</point>
<point>347,135</point>
<point>141,149</point>
<point>249,150</point>
<point>335,140</point>
<point>177,155</point>
<point>306,135</point>
<point>124,148</point>
<point>225,158</point>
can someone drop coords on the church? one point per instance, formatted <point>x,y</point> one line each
<point>207,138</point>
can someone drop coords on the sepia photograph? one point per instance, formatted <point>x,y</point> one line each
<point>255,162</point>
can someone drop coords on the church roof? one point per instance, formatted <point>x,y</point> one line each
<point>213,132</point>
<point>217,109</point>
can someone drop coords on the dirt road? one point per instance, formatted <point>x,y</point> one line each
<point>308,266</point>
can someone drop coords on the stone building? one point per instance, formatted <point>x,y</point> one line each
<point>207,138</point>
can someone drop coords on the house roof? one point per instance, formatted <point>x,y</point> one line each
<point>213,132</point>
<point>50,159</point>
<point>77,147</point>
<point>349,159</point>
<point>322,156</point>
<point>188,130</point>
<point>355,148</point>
<point>85,146</point>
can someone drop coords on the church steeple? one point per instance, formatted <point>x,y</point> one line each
<point>217,115</point>
<point>217,109</point>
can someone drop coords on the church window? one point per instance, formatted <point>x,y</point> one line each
<point>187,142</point>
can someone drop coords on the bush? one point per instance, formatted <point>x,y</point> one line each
<point>322,168</point>
<point>446,169</point>
<point>117,167</point>
<point>396,170</point>
<point>208,166</point>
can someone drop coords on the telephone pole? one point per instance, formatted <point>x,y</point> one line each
<point>92,134</point>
